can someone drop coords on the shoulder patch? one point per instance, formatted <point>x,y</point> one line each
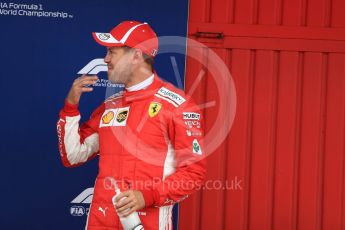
<point>170,96</point>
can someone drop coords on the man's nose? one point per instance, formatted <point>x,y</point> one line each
<point>107,58</point>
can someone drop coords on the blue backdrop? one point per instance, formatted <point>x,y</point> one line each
<point>43,46</point>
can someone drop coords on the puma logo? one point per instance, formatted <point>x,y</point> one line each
<point>102,210</point>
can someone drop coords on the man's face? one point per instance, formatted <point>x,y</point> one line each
<point>119,65</point>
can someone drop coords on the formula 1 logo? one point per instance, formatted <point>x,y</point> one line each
<point>94,67</point>
<point>83,199</point>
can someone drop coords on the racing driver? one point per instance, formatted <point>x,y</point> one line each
<point>149,137</point>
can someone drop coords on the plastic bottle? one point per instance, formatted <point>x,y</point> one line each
<point>131,222</point>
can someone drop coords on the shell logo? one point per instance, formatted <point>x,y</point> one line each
<point>108,117</point>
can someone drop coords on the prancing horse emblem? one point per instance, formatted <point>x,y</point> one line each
<point>154,108</point>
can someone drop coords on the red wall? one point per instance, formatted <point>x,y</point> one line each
<point>287,142</point>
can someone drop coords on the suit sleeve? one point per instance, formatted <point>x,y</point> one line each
<point>186,135</point>
<point>77,144</point>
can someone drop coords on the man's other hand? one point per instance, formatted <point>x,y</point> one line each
<point>80,85</point>
<point>134,201</point>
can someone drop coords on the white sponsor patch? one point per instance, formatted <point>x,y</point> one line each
<point>114,117</point>
<point>108,118</point>
<point>191,116</point>
<point>106,37</point>
<point>192,123</point>
<point>121,117</point>
<point>171,95</point>
<point>103,36</point>
<point>196,147</point>
<point>191,133</point>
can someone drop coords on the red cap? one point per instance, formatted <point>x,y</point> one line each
<point>130,33</point>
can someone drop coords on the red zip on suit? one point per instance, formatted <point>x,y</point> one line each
<point>148,140</point>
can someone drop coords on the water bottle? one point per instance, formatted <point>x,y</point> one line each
<point>132,221</point>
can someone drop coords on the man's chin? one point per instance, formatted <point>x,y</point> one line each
<point>113,80</point>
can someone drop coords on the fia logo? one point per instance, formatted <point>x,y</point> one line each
<point>84,198</point>
<point>77,210</point>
